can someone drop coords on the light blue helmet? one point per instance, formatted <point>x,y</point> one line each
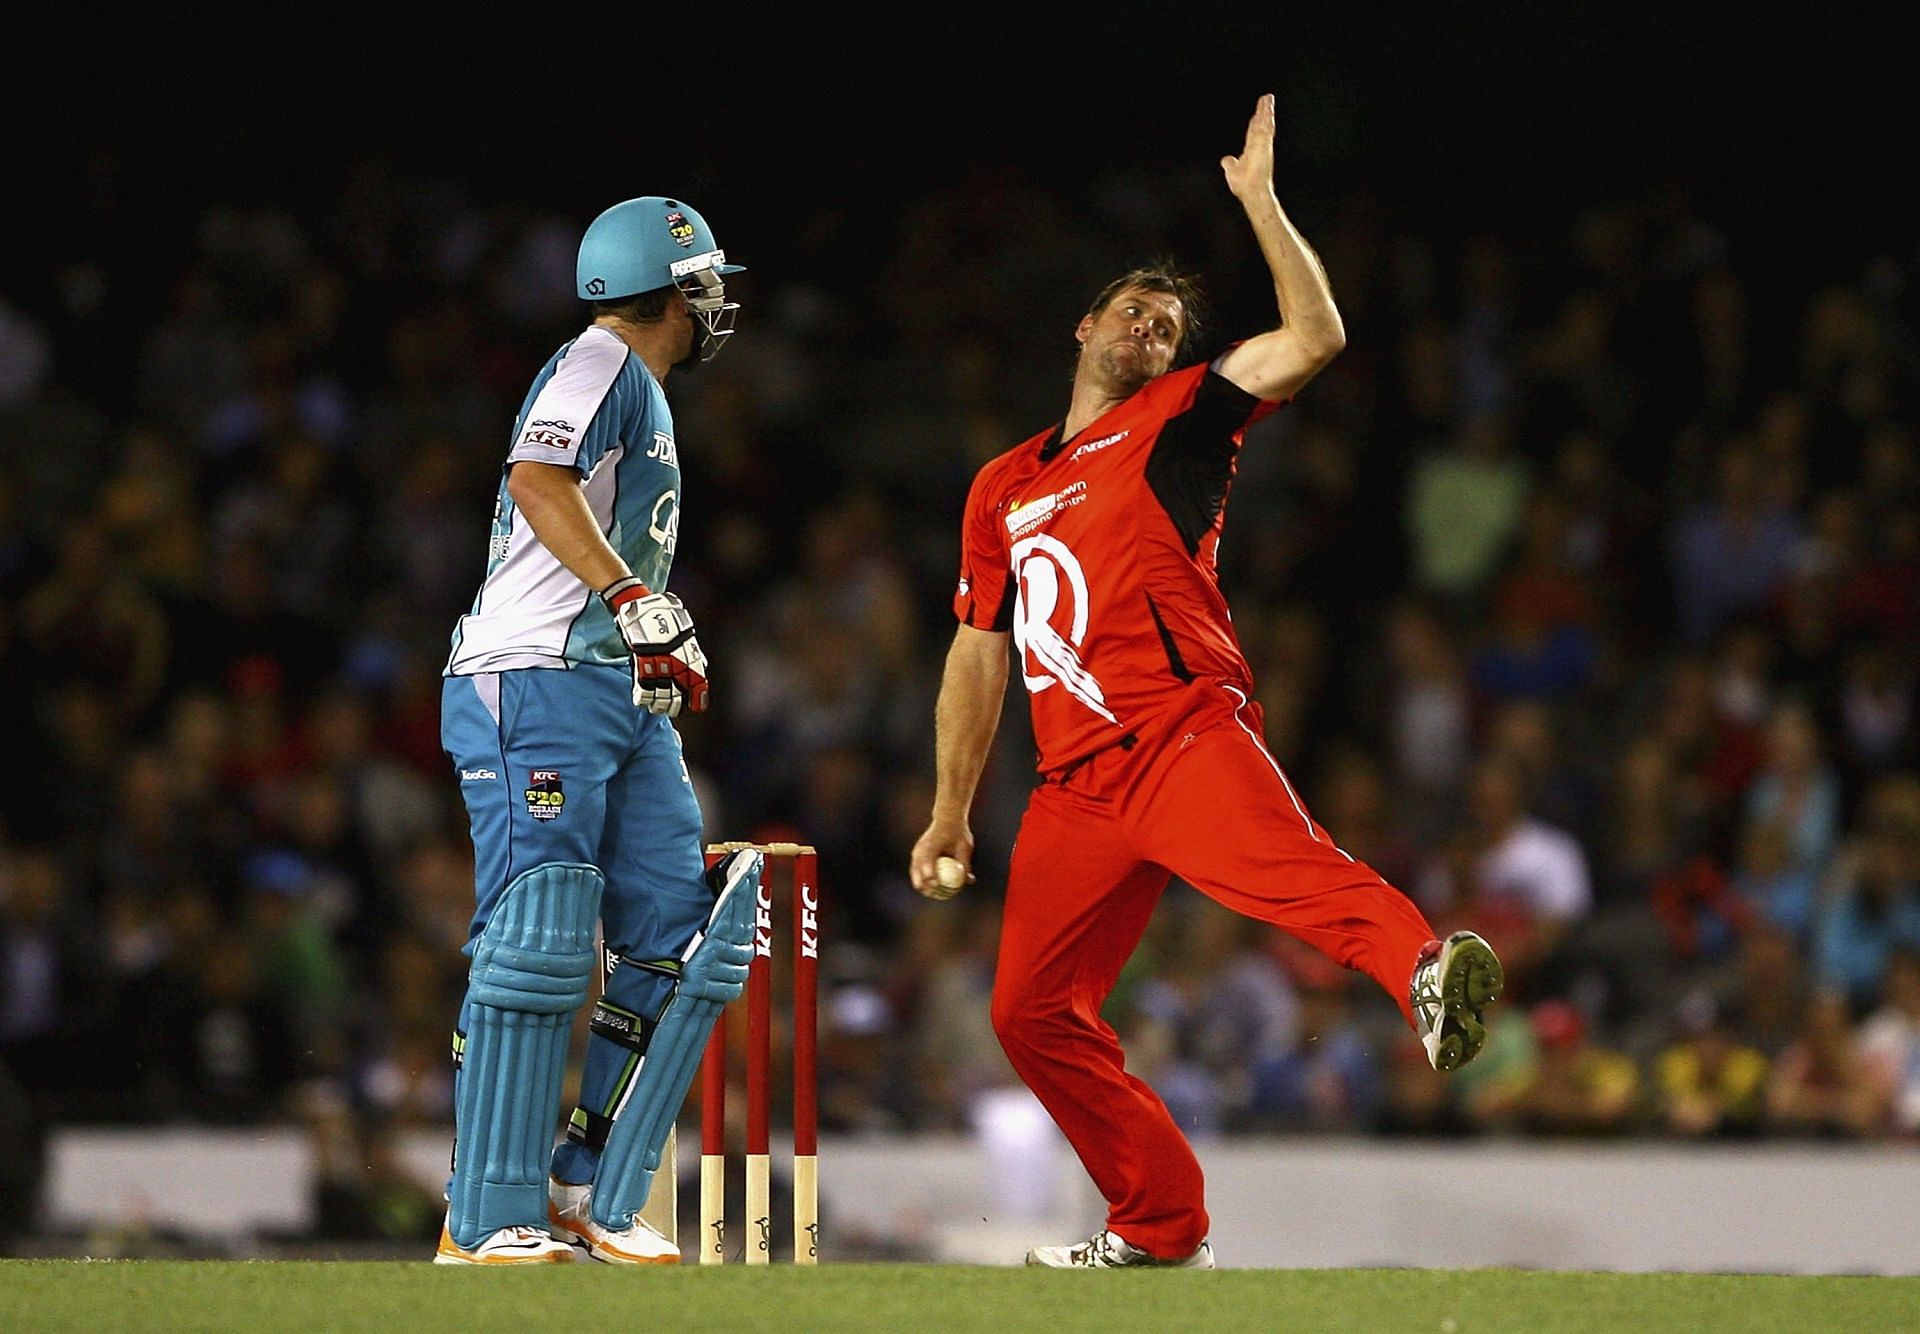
<point>653,242</point>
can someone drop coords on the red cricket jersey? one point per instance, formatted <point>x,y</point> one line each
<point>1098,554</point>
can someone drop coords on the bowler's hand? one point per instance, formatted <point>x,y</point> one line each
<point>1250,175</point>
<point>942,839</point>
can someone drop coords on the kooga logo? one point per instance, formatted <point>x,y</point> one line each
<point>554,434</point>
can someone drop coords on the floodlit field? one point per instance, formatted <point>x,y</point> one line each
<point>108,1297</point>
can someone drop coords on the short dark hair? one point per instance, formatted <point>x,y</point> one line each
<point>640,308</point>
<point>1161,275</point>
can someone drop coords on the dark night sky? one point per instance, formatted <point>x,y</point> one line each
<point>1454,113</point>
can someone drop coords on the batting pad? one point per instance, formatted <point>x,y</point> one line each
<point>531,970</point>
<point>713,973</point>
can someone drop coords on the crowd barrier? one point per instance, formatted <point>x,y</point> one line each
<point>1297,1203</point>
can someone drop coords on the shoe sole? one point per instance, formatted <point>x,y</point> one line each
<point>446,1257</point>
<point>1200,1259</point>
<point>585,1244</point>
<point>1471,981</point>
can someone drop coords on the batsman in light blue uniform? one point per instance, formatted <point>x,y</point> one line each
<point>557,711</point>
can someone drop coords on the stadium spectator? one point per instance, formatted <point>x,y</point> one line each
<point>1527,881</point>
<point>1822,1085</point>
<point>1890,1039</point>
<point>101,633</point>
<point>1718,751</point>
<point>1545,638</point>
<point>1797,786</point>
<point>1702,912</point>
<point>1215,1019</point>
<point>1356,805</point>
<point>1572,1085</point>
<point>1331,1079</point>
<point>859,1091</point>
<point>48,999</point>
<point>1563,787</point>
<point>1707,1082</point>
<point>1655,821</point>
<point>1765,989</point>
<point>1870,905</point>
<point>1429,710</point>
<point>1465,504</point>
<point>956,1060</point>
<point>1767,880</point>
<point>1416,1100</point>
<point>1733,551</point>
<point>1876,708</point>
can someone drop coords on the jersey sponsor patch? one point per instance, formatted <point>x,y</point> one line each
<point>545,795</point>
<point>1025,518</point>
<point>1095,446</point>
<point>477,775</point>
<point>552,433</point>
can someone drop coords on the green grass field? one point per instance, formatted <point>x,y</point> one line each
<point>120,1296</point>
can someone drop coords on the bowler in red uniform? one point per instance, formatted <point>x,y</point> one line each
<point>1091,546</point>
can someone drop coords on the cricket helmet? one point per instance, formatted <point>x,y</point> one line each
<point>653,242</point>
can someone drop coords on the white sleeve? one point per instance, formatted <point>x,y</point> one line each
<point>556,427</point>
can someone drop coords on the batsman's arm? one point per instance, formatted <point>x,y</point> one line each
<point>972,688</point>
<point>1277,364</point>
<point>556,507</point>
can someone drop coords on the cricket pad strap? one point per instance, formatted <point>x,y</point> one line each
<point>532,967</point>
<point>623,1028</point>
<point>713,973</point>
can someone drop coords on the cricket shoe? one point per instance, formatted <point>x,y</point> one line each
<point>637,1244</point>
<point>508,1246</point>
<point>1453,981</point>
<point>1105,1250</point>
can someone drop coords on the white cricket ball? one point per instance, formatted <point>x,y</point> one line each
<point>950,872</point>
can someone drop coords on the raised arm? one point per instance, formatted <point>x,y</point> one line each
<point>1275,365</point>
<point>965,717</point>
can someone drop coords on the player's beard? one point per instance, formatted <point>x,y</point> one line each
<point>691,356</point>
<point>1123,367</point>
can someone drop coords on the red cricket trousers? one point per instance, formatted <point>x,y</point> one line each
<point>1196,796</point>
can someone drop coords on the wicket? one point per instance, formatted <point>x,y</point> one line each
<point>804,882</point>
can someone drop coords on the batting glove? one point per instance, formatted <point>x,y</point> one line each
<point>669,668</point>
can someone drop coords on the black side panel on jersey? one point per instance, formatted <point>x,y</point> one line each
<point>1175,663</point>
<point>1192,461</point>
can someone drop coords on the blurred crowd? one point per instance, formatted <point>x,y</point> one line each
<point>1582,593</point>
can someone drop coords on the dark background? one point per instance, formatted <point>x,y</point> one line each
<point>1454,116</point>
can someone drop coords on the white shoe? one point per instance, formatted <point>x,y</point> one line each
<point>638,1244</point>
<point>508,1246</point>
<point>1106,1250</point>
<point>1453,981</point>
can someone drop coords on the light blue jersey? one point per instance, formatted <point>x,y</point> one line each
<point>594,406</point>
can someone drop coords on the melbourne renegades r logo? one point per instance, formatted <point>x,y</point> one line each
<point>1050,620</point>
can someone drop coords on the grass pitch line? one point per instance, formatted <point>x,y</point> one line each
<point>125,1296</point>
